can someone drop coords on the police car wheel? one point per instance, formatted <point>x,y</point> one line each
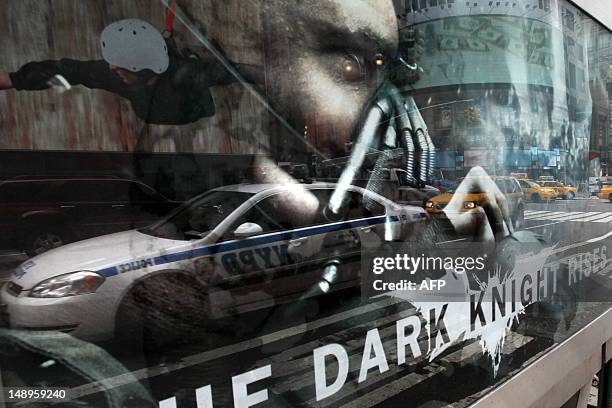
<point>129,323</point>
<point>44,239</point>
<point>164,310</point>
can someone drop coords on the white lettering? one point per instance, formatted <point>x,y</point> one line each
<point>403,340</point>
<point>204,397</point>
<point>168,403</point>
<point>242,399</point>
<point>372,343</point>
<point>321,388</point>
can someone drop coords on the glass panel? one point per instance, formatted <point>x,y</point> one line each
<point>370,201</point>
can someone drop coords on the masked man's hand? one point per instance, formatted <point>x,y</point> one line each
<point>5,81</point>
<point>489,219</point>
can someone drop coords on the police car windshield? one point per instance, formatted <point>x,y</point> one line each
<point>196,218</point>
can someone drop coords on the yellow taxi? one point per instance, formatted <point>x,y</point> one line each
<point>535,193</point>
<point>478,194</point>
<point>606,192</point>
<point>563,191</point>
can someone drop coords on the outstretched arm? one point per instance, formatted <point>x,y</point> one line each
<point>5,81</point>
<point>36,75</point>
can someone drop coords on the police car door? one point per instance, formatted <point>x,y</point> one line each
<point>259,270</point>
<point>339,238</point>
<point>367,222</point>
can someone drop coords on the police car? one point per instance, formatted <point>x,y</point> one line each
<point>230,250</point>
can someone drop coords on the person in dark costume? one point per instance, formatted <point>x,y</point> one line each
<point>163,86</point>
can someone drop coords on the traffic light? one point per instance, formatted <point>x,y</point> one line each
<point>412,45</point>
<point>476,114</point>
<point>472,114</point>
<point>405,70</point>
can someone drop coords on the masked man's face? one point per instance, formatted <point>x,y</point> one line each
<point>326,58</point>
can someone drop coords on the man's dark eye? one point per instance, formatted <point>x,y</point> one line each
<point>351,69</point>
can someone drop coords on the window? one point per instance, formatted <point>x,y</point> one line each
<point>572,76</point>
<point>85,191</point>
<point>354,206</point>
<point>506,186</point>
<point>128,191</point>
<point>23,192</point>
<point>568,19</point>
<point>359,206</point>
<point>197,217</point>
<point>486,92</point>
<point>501,185</point>
<point>516,187</point>
<point>282,212</point>
<point>533,184</point>
<point>579,79</point>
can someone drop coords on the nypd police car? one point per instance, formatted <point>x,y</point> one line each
<point>231,250</point>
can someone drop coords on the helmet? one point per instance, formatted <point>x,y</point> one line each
<point>134,45</point>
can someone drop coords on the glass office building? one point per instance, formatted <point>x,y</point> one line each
<point>512,86</point>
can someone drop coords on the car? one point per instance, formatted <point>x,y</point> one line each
<point>595,185</point>
<point>535,193</point>
<point>509,186</point>
<point>232,250</point>
<point>393,183</point>
<point>563,191</point>
<point>606,193</point>
<point>38,214</point>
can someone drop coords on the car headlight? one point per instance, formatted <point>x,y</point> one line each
<point>429,204</point>
<point>70,284</point>
<point>468,205</point>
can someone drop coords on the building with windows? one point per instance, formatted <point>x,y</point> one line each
<point>507,85</point>
<point>600,82</point>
